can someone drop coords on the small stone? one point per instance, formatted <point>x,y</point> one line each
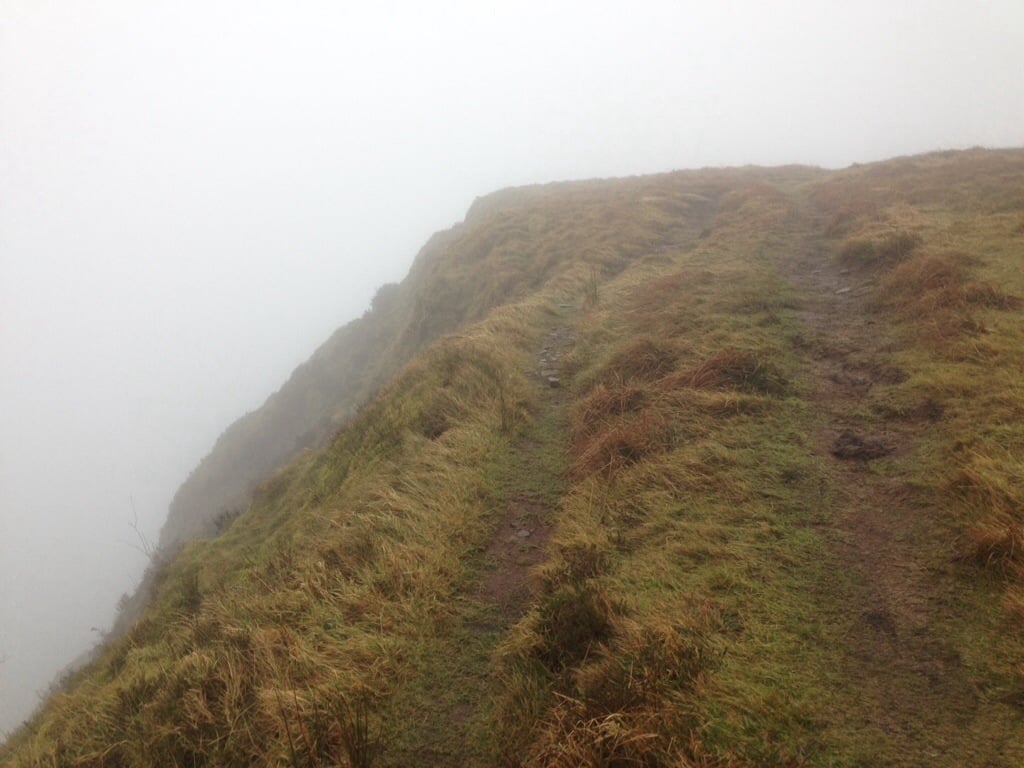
<point>523,534</point>
<point>554,382</point>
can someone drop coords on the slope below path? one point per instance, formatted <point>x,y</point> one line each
<point>907,697</point>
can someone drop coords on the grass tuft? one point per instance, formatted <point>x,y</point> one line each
<point>641,360</point>
<point>621,442</point>
<point>992,489</point>
<point>935,293</point>
<point>737,370</point>
<point>626,704</point>
<point>606,402</point>
<point>569,623</point>
<point>997,541</point>
<point>887,249</point>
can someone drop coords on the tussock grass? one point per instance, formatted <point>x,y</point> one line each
<point>643,360</point>
<point>622,441</point>
<point>739,370</point>
<point>993,485</point>
<point>626,704</point>
<point>886,249</point>
<point>928,284</point>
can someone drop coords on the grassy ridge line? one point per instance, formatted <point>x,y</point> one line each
<point>688,613</point>
<point>258,583</point>
<point>511,245</point>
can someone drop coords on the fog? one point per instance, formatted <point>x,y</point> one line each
<point>193,195</point>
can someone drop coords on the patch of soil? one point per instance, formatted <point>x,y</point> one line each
<point>859,379</point>
<point>519,542</point>
<point>850,445</point>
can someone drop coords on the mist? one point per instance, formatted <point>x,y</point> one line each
<point>194,195</point>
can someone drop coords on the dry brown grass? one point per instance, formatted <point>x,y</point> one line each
<point>760,206</point>
<point>848,216</point>
<point>642,360</point>
<point>936,294</point>
<point>991,489</point>
<point>621,441</point>
<point>974,181</point>
<point>997,541</point>
<point>606,402</point>
<point>879,250</point>
<point>982,294</point>
<point>734,369</point>
<point>626,704</point>
<point>670,289</point>
<point>665,307</point>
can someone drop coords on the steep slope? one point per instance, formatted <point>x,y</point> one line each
<point>726,470</point>
<point>511,243</point>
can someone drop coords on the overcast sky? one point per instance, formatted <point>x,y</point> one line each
<point>193,195</point>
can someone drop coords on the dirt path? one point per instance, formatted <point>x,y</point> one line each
<point>446,710</point>
<point>520,540</point>
<point>909,695</point>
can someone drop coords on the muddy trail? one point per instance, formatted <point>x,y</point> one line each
<point>520,539</point>
<point>907,698</point>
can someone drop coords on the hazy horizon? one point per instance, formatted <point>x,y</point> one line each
<point>194,196</point>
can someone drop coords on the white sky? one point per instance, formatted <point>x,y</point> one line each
<point>193,195</point>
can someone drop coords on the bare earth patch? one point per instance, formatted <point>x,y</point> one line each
<point>518,544</point>
<point>520,540</point>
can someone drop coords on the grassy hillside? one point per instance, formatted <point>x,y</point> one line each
<point>717,468</point>
<point>512,243</point>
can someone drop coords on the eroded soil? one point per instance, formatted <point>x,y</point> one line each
<point>520,540</point>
